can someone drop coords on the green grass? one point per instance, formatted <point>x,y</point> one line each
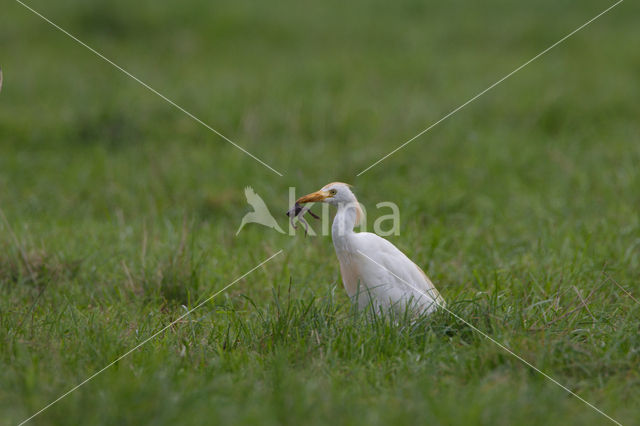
<point>124,211</point>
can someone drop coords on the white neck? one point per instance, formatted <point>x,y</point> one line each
<point>343,224</point>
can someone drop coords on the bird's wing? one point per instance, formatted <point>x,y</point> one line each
<point>383,265</point>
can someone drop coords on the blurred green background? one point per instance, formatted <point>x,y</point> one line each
<point>121,211</point>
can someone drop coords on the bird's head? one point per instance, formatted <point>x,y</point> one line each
<point>333,193</point>
<point>337,194</point>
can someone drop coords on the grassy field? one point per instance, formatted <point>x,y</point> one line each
<point>121,211</point>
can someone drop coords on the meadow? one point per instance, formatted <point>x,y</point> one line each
<point>119,212</point>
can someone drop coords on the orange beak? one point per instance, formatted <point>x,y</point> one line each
<point>313,197</point>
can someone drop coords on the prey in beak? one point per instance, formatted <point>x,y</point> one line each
<point>298,210</point>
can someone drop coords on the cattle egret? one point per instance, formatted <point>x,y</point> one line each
<point>374,272</point>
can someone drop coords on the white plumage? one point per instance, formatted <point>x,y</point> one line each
<point>374,271</point>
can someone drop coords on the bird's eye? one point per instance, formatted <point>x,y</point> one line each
<point>333,191</point>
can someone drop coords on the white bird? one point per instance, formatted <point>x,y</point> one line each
<point>374,272</point>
